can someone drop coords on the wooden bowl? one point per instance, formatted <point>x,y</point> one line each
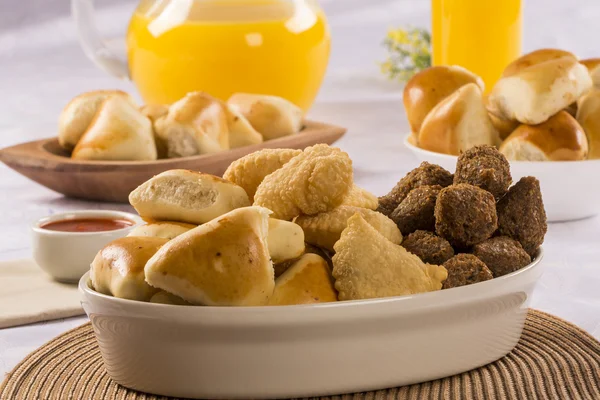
<point>46,163</point>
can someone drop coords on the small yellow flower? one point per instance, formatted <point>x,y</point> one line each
<point>408,53</point>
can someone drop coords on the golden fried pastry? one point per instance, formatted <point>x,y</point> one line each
<point>307,281</point>
<point>367,265</point>
<point>249,171</point>
<point>162,229</point>
<point>224,262</point>
<point>324,229</point>
<point>118,269</point>
<point>186,196</point>
<point>286,240</point>
<point>241,132</point>
<point>359,197</point>
<point>162,297</point>
<point>315,181</point>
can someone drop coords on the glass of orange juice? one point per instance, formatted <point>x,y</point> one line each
<point>483,36</point>
<point>275,47</point>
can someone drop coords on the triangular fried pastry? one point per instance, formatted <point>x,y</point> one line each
<point>359,197</point>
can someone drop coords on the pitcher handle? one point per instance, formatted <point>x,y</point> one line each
<point>93,45</point>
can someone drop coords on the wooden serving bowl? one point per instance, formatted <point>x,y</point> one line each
<point>46,163</point>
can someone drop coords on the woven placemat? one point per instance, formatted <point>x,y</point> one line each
<point>553,360</point>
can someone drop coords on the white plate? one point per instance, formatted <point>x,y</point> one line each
<point>311,350</point>
<point>570,189</point>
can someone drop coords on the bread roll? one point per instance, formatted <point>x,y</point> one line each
<point>77,116</point>
<point>307,281</point>
<point>533,58</point>
<point>154,112</point>
<point>458,123</point>
<point>272,116</point>
<point>187,196</point>
<point>224,262</point>
<point>286,240</point>
<point>162,297</point>
<point>430,86</point>
<point>162,229</point>
<point>593,66</point>
<point>558,139</point>
<point>536,93</point>
<point>196,124</point>
<point>504,127</point>
<point>118,269</point>
<point>588,116</point>
<point>119,132</point>
<point>241,132</point>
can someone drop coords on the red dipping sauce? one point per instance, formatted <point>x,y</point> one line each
<point>87,225</point>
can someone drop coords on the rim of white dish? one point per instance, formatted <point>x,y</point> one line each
<point>451,296</point>
<point>37,226</point>
<point>449,157</point>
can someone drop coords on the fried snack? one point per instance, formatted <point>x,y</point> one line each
<point>465,269</point>
<point>367,265</point>
<point>163,229</point>
<point>163,297</point>
<point>465,215</point>
<point>307,281</point>
<point>250,170</point>
<point>502,255</point>
<point>224,262</point>
<point>286,240</point>
<point>313,182</point>
<point>521,214</point>
<point>359,197</point>
<point>485,167</point>
<point>324,229</point>
<point>416,210</point>
<point>118,269</point>
<point>429,247</point>
<point>425,174</point>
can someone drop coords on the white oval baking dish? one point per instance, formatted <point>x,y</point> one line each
<point>310,350</point>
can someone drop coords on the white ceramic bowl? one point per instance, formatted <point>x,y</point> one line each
<point>569,188</point>
<point>66,256</point>
<point>310,350</point>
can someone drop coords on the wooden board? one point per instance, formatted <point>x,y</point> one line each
<point>46,163</point>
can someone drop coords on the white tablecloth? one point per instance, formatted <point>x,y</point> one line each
<point>42,68</point>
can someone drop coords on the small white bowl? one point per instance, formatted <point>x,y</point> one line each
<point>66,256</point>
<point>569,188</point>
<point>308,350</point>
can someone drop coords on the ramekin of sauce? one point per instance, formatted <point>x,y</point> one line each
<point>64,245</point>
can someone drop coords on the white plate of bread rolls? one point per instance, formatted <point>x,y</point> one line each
<point>107,145</point>
<point>543,115</point>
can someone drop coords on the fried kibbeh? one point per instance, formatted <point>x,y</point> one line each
<point>415,212</point>
<point>485,167</point>
<point>250,170</point>
<point>465,215</point>
<point>313,182</point>
<point>324,229</point>
<point>465,269</point>
<point>429,247</point>
<point>521,214</point>
<point>425,174</point>
<point>502,255</point>
<point>359,197</point>
<point>367,265</point>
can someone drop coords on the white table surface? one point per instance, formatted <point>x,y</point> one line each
<point>42,67</point>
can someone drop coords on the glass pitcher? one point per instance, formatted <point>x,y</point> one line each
<point>276,47</point>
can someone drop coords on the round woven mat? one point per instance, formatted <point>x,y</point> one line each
<point>553,360</point>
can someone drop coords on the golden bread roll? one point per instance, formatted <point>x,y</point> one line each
<point>458,122</point>
<point>558,139</point>
<point>588,116</point>
<point>430,86</point>
<point>186,196</point>
<point>77,116</point>
<point>119,132</point>
<point>533,58</point>
<point>536,93</point>
<point>224,262</point>
<point>272,116</point>
<point>196,124</point>
<point>286,240</point>
<point>162,297</point>
<point>593,66</point>
<point>307,281</point>
<point>241,132</point>
<point>162,229</point>
<point>504,127</point>
<point>118,269</point>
